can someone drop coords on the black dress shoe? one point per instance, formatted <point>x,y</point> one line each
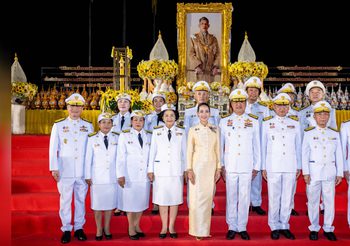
<point>80,235</point>
<point>322,211</point>
<point>287,234</point>
<point>134,237</point>
<point>162,235</point>
<point>66,237</point>
<point>313,235</point>
<point>275,235</point>
<point>244,235</point>
<point>294,213</point>
<point>258,210</point>
<point>107,236</point>
<point>99,238</point>
<point>230,235</point>
<point>155,211</point>
<point>330,236</point>
<point>140,234</point>
<point>173,235</point>
<point>212,211</point>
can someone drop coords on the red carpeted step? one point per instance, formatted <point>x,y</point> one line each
<point>50,202</point>
<point>30,168</point>
<point>38,222</point>
<point>33,141</point>
<point>44,183</point>
<point>30,153</point>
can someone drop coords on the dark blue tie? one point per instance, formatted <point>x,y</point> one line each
<point>106,142</point>
<point>169,134</point>
<point>122,122</point>
<point>140,140</point>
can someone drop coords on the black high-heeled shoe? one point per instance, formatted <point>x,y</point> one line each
<point>107,236</point>
<point>140,234</point>
<point>173,235</point>
<point>99,238</point>
<point>162,235</point>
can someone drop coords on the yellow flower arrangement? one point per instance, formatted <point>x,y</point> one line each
<point>108,102</point>
<point>22,91</point>
<point>157,69</point>
<point>181,89</point>
<point>225,89</point>
<point>190,85</point>
<point>170,97</point>
<point>215,85</point>
<point>243,70</point>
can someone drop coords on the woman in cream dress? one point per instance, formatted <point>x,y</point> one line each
<point>203,170</point>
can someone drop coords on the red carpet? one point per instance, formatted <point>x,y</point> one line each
<point>35,203</point>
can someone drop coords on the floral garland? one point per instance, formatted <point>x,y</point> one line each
<point>157,69</point>
<point>108,102</point>
<point>242,70</point>
<point>23,90</point>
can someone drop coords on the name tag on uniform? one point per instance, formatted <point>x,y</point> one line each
<point>83,129</point>
<point>156,161</point>
<point>196,129</point>
<point>96,145</point>
<point>178,134</point>
<point>114,143</point>
<point>291,127</point>
<point>129,142</point>
<point>312,161</point>
<point>332,138</point>
<point>159,133</point>
<point>315,138</point>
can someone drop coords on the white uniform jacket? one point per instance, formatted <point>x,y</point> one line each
<point>191,118</point>
<point>167,158</point>
<point>132,160</point>
<point>67,147</point>
<point>281,144</point>
<point>100,162</point>
<point>322,154</point>
<point>151,121</point>
<point>240,143</point>
<point>117,122</point>
<point>258,109</point>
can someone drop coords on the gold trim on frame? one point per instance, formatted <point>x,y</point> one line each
<point>184,8</point>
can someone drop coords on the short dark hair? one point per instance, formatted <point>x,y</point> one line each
<point>203,18</point>
<point>161,114</point>
<point>203,104</point>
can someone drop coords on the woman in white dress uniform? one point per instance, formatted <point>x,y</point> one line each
<point>132,160</point>
<point>100,173</point>
<point>166,167</point>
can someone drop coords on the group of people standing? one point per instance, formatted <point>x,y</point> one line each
<point>133,152</point>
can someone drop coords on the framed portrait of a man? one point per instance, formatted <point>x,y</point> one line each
<point>204,35</point>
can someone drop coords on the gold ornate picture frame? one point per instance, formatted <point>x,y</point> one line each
<point>222,12</point>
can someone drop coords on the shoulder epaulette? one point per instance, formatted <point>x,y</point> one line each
<point>309,128</point>
<point>293,117</point>
<point>158,127</point>
<point>336,130</point>
<point>178,126</point>
<point>126,131</point>
<point>86,120</point>
<point>150,132</point>
<point>92,134</point>
<point>254,116</point>
<point>345,121</point>
<point>268,118</point>
<point>216,107</point>
<point>263,104</point>
<point>114,114</point>
<point>118,133</point>
<point>59,120</point>
<point>188,107</point>
<point>295,108</point>
<point>225,116</point>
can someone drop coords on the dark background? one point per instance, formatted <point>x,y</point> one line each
<point>55,33</point>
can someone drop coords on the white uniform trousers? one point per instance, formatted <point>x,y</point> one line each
<point>313,192</point>
<point>66,186</point>
<point>238,187</point>
<point>294,191</point>
<point>280,192</point>
<point>255,194</point>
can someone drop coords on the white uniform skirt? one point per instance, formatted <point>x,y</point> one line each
<point>134,197</point>
<point>168,191</point>
<point>103,196</point>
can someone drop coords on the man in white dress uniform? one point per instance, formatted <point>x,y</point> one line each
<point>241,156</point>
<point>67,155</point>
<point>253,86</point>
<point>281,164</point>
<point>322,160</point>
